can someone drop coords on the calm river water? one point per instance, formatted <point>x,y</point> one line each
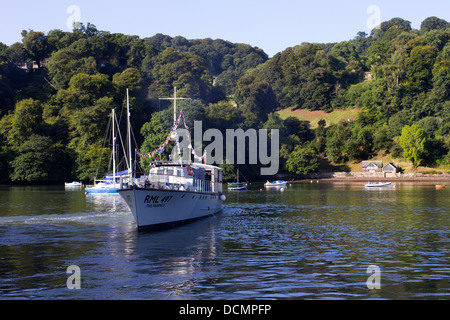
<point>312,241</point>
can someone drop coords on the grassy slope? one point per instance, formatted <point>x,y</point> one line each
<point>313,117</point>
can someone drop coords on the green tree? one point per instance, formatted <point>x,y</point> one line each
<point>155,133</point>
<point>222,115</point>
<point>6,90</point>
<point>186,71</point>
<point>345,50</point>
<point>84,90</point>
<point>338,137</point>
<point>254,96</point>
<point>66,63</point>
<point>88,124</point>
<point>360,145</point>
<point>85,106</point>
<point>412,142</point>
<point>129,78</point>
<point>35,44</point>
<point>39,160</point>
<point>433,23</point>
<point>93,162</point>
<point>388,30</point>
<point>441,80</point>
<point>302,160</point>
<point>25,121</point>
<point>319,141</point>
<point>419,67</point>
<point>381,138</point>
<point>15,53</point>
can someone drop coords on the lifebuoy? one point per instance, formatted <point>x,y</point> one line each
<point>190,171</point>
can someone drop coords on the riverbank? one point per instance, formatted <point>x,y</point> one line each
<point>365,176</point>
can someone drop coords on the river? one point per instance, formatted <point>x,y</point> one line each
<point>310,241</point>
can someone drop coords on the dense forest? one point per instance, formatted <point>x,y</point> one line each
<point>57,91</point>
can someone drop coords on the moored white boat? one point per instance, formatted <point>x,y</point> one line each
<point>377,185</point>
<point>277,183</point>
<point>73,184</point>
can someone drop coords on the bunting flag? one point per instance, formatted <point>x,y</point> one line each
<point>172,135</point>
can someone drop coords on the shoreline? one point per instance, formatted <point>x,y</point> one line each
<point>425,180</point>
<point>445,179</point>
<point>321,177</point>
<point>428,179</point>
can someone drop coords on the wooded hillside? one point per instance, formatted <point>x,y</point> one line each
<point>57,91</point>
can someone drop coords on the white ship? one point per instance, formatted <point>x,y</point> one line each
<point>174,192</point>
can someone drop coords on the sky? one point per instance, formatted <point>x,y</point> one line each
<point>272,25</point>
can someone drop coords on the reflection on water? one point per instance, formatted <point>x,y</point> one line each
<point>311,241</point>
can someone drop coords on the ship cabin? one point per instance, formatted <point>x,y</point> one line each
<point>194,177</point>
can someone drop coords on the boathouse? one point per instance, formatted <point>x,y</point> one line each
<point>372,166</point>
<point>390,169</point>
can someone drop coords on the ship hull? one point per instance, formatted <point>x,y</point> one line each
<point>156,208</point>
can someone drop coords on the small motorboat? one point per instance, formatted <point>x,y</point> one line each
<point>377,185</point>
<point>73,184</point>
<point>237,185</point>
<point>277,183</point>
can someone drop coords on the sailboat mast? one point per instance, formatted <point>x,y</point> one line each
<point>114,146</point>
<point>129,133</point>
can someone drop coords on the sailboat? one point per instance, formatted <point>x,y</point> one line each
<point>237,185</point>
<point>176,191</point>
<point>116,180</point>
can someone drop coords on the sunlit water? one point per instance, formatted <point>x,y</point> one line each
<point>311,241</point>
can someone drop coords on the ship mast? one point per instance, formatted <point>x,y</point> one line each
<point>174,103</point>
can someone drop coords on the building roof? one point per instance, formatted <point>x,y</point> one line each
<point>395,165</point>
<point>368,163</point>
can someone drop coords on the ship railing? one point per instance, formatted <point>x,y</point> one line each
<point>173,182</point>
